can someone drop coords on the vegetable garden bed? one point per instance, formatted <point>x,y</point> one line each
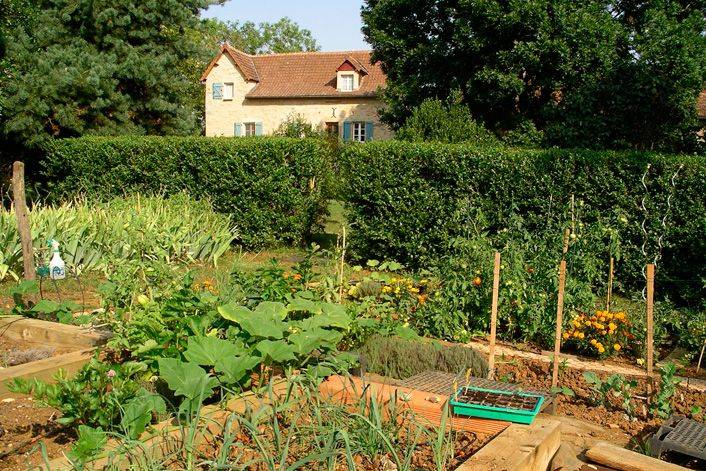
<point>38,349</point>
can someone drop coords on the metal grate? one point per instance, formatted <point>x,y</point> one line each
<point>681,435</point>
<point>440,383</point>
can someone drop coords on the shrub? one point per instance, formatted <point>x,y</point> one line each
<point>407,200</point>
<point>271,187</point>
<point>401,358</point>
<point>437,121</point>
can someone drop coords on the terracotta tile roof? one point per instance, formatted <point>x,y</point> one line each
<point>701,105</point>
<point>303,74</point>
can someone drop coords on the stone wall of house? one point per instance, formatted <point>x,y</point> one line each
<point>221,115</point>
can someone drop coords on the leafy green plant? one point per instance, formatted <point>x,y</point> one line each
<point>616,386</point>
<point>45,309</point>
<point>100,395</point>
<point>661,404</point>
<point>89,443</point>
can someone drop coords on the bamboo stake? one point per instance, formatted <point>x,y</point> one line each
<point>650,326</point>
<point>342,264</point>
<point>20,203</point>
<point>494,316</point>
<point>610,285</point>
<point>559,322</point>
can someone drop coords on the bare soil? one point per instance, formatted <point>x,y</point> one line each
<point>537,374</point>
<point>23,427</point>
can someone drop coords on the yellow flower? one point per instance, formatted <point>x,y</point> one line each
<point>612,326</point>
<point>593,341</point>
<point>413,290</point>
<point>601,350</point>
<point>581,335</point>
<point>588,324</point>
<point>616,347</point>
<point>566,335</point>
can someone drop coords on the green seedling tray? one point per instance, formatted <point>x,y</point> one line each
<point>519,416</point>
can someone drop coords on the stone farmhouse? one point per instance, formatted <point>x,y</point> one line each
<point>251,95</point>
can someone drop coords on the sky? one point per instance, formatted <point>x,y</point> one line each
<point>335,24</point>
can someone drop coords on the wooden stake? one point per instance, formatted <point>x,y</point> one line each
<point>494,316</point>
<point>559,322</point>
<point>610,285</point>
<point>701,357</point>
<point>342,264</point>
<point>20,203</point>
<point>650,326</point>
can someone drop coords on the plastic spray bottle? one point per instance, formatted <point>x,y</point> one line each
<point>57,266</point>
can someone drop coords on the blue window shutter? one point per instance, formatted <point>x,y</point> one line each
<point>258,129</point>
<point>346,131</point>
<point>369,128</point>
<point>238,129</point>
<point>217,91</point>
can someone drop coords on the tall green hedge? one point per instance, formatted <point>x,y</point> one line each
<point>407,201</point>
<point>271,187</point>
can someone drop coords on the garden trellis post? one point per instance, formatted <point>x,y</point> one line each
<point>650,326</point>
<point>559,322</point>
<point>494,316</point>
<point>610,284</point>
<point>20,203</point>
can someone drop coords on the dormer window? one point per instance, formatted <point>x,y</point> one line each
<point>346,82</point>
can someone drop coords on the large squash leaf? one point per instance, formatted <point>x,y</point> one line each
<point>265,322</point>
<point>186,379</point>
<point>207,351</point>
<point>234,369</point>
<point>278,352</point>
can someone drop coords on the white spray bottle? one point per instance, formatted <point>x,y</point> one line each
<point>57,267</point>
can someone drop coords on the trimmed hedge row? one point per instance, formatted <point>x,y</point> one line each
<point>407,201</point>
<point>272,187</point>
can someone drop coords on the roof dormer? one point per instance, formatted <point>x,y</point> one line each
<point>349,75</point>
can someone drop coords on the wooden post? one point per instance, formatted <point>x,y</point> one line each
<point>494,316</point>
<point>342,264</point>
<point>701,357</point>
<point>20,203</point>
<point>650,326</point>
<point>610,285</point>
<point>559,322</point>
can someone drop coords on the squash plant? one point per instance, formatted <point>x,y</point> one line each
<point>299,334</point>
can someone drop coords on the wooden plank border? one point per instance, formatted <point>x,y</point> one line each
<point>45,333</point>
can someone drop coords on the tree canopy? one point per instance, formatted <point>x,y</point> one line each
<point>590,74</point>
<point>118,67</point>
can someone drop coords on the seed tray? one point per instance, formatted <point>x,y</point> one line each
<point>681,435</point>
<point>493,404</point>
<point>441,383</point>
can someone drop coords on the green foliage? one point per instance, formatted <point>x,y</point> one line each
<point>436,121</point>
<point>297,126</point>
<point>661,405</point>
<point>265,38</point>
<point>271,187</point>
<point>615,386</point>
<point>586,74</point>
<point>89,443</point>
<point>94,397</point>
<point>401,358</point>
<point>104,69</point>
<point>129,229</point>
<point>45,309</point>
<point>407,201</point>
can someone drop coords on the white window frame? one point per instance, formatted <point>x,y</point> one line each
<point>358,132</point>
<point>347,82</point>
<point>228,91</point>
<point>250,129</point>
